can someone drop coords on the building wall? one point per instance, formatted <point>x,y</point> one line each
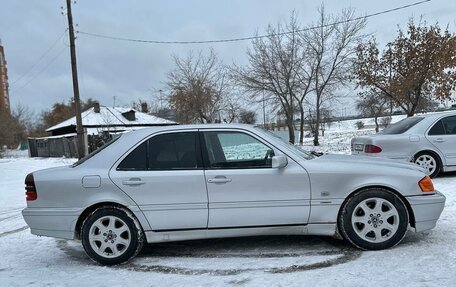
<point>4,95</point>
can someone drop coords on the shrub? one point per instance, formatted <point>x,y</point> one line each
<point>359,125</point>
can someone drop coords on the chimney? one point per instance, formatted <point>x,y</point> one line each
<point>96,107</point>
<point>144,108</point>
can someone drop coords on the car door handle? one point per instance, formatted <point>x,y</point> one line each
<point>439,140</point>
<point>133,181</point>
<point>219,179</point>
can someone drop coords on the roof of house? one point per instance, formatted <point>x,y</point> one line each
<point>113,116</point>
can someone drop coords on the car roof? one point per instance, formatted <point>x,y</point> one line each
<point>437,114</point>
<point>151,130</point>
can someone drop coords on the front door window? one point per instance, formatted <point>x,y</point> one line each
<point>234,150</point>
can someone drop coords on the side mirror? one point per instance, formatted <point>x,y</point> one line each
<point>279,161</point>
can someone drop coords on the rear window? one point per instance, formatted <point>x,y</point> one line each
<point>402,126</point>
<point>90,155</point>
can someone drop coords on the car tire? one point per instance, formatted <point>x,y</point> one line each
<point>429,161</point>
<point>111,235</point>
<point>373,219</point>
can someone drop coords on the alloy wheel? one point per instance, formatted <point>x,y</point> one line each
<point>375,220</point>
<point>427,162</point>
<point>109,236</point>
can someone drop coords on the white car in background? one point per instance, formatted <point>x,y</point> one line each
<point>427,140</point>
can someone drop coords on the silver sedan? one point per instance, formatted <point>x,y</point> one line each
<point>427,140</point>
<point>211,181</point>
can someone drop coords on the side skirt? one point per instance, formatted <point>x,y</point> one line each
<point>328,229</point>
<point>449,168</point>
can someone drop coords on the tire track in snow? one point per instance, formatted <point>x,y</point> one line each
<point>9,211</point>
<point>9,217</point>
<point>13,231</point>
<point>343,252</point>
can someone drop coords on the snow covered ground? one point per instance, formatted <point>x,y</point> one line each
<point>425,259</point>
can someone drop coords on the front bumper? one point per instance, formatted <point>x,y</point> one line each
<point>53,222</point>
<point>426,210</point>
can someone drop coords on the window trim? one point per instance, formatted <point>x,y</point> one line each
<point>199,159</point>
<point>205,151</point>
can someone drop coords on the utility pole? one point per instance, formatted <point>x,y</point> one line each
<point>161,98</point>
<point>264,112</point>
<point>74,72</point>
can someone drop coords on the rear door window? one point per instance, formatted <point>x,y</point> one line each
<point>172,151</point>
<point>136,160</point>
<point>437,129</point>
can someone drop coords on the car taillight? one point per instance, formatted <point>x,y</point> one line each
<point>30,189</point>
<point>370,148</point>
<point>426,184</point>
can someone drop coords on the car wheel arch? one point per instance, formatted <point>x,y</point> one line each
<point>89,210</point>
<point>392,190</point>
<point>437,154</point>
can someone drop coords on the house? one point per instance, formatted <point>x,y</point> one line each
<point>102,119</point>
<point>100,124</point>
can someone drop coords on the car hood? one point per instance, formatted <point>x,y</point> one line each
<point>377,161</point>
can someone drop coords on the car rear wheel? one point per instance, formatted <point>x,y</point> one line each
<point>111,235</point>
<point>374,219</point>
<point>429,162</point>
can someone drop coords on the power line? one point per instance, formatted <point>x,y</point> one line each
<point>39,59</point>
<point>252,37</point>
<point>40,71</point>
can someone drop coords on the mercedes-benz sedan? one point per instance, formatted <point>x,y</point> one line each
<point>210,181</point>
<point>427,140</point>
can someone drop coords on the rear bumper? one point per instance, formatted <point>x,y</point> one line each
<point>397,157</point>
<point>53,222</point>
<point>426,209</point>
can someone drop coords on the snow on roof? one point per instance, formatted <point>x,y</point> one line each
<point>112,116</point>
<point>55,137</point>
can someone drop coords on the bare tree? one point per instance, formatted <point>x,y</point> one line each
<point>232,111</point>
<point>325,119</point>
<point>273,67</point>
<point>415,69</point>
<point>332,48</point>
<point>386,122</point>
<point>373,104</point>
<point>63,111</point>
<point>198,87</point>
<point>24,116</point>
<point>14,127</point>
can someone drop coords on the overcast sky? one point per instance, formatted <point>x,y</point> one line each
<point>130,71</point>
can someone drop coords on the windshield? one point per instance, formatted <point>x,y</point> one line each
<point>291,147</point>
<point>96,151</point>
<point>401,126</point>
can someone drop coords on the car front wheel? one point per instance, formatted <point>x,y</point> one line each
<point>111,235</point>
<point>374,219</point>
